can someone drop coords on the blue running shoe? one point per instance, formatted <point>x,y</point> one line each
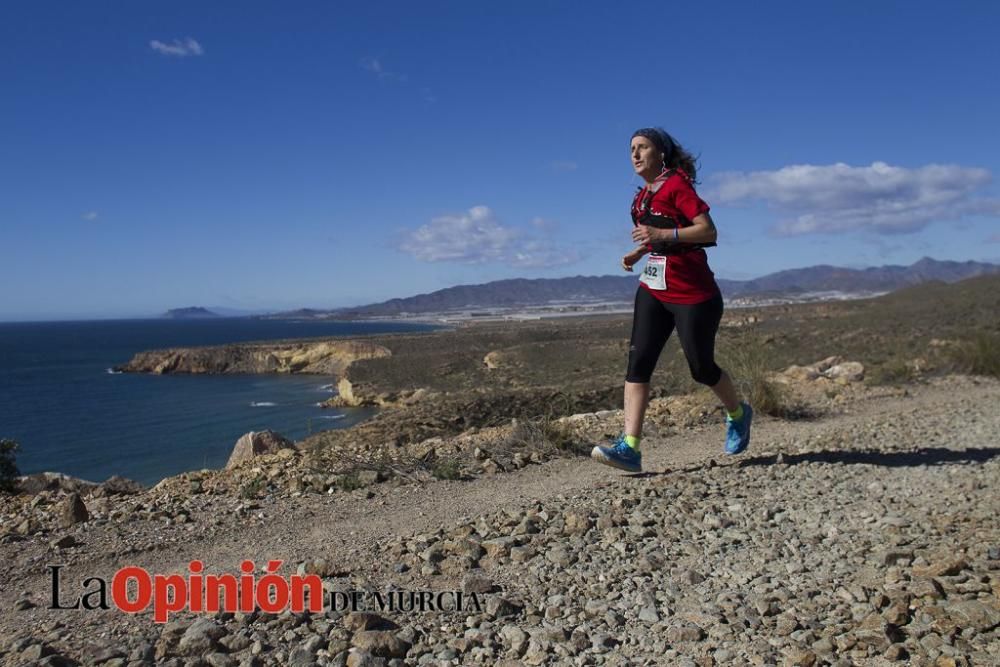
<point>738,431</point>
<point>620,456</point>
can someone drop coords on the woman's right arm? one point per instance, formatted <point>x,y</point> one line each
<point>629,260</point>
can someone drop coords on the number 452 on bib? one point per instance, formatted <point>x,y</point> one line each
<point>655,273</point>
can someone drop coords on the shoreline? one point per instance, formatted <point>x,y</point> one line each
<point>515,360</point>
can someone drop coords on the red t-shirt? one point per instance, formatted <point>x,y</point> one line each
<point>689,279</point>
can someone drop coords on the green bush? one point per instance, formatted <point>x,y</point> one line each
<point>351,481</point>
<point>8,467</point>
<point>252,488</point>
<point>447,469</point>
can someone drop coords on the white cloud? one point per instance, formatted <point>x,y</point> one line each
<point>374,65</point>
<point>90,216</point>
<point>179,48</point>
<point>879,198</point>
<point>544,224</point>
<point>476,237</point>
<point>563,165</point>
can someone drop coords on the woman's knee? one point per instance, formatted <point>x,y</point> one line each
<point>706,374</point>
<point>640,368</point>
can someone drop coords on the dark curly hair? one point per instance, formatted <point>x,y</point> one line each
<point>677,157</point>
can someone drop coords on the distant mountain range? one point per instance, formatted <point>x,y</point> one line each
<point>521,292</point>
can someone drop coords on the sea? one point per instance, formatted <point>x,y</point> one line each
<point>68,409</point>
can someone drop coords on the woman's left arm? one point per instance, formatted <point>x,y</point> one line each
<point>702,230</point>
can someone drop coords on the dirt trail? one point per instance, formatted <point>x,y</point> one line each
<point>350,530</point>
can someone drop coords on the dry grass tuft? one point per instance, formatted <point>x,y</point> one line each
<point>978,355</point>
<point>750,364</point>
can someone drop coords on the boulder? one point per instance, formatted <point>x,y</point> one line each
<point>828,363</point>
<point>848,371</point>
<point>831,368</point>
<point>117,485</point>
<point>53,481</point>
<point>801,373</point>
<point>72,511</point>
<point>493,360</point>
<point>257,443</point>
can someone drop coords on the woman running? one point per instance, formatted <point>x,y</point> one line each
<point>677,290</point>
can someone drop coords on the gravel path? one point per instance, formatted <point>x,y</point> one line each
<point>860,538</point>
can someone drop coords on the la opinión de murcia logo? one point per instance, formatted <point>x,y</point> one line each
<point>133,590</point>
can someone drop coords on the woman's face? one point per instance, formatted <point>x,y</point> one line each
<point>646,158</point>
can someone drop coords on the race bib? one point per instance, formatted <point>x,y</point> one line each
<point>655,273</point>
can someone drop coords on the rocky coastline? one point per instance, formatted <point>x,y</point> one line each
<point>327,357</point>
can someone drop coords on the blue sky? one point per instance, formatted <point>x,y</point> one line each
<point>265,155</point>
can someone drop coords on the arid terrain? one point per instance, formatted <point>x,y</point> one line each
<point>859,529</point>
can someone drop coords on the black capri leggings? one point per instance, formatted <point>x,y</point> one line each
<point>652,323</point>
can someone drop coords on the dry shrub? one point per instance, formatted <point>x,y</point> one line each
<point>892,372</point>
<point>749,363</point>
<point>545,435</point>
<point>978,355</point>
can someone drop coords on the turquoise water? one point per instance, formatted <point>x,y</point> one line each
<point>71,414</point>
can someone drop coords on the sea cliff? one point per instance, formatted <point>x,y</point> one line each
<point>320,358</point>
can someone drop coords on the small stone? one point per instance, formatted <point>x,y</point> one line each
<point>595,608</point>
<point>560,556</point>
<point>537,653</point>
<point>475,582</point>
<point>514,637</point>
<point>37,652</point>
<point>380,643</point>
<point>201,638</point>
<point>498,607</point>
<point>800,658</point>
<point>521,554</point>
<point>649,614</point>
<point>357,621</point>
<point>786,625</point>
<point>926,588</point>
<point>64,542</point>
<point>873,632</point>
<point>223,660</point>
<point>973,614</point>
<point>896,652</point>
<point>576,523</point>
<point>946,568</point>
<point>687,632</point>
<point>363,659</point>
